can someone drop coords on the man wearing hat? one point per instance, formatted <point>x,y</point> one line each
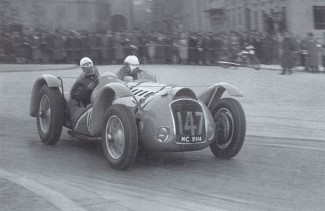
<point>86,82</point>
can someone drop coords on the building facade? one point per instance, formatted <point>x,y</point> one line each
<point>307,16</point>
<point>49,15</point>
<point>181,15</point>
<point>142,14</point>
<point>269,16</point>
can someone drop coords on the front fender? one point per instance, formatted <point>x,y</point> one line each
<point>215,92</point>
<point>103,100</point>
<point>51,81</point>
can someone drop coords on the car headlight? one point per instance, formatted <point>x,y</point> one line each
<point>162,134</point>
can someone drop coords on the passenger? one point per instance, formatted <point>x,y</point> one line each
<point>130,68</point>
<point>86,83</point>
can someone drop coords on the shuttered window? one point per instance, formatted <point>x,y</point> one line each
<point>319,17</point>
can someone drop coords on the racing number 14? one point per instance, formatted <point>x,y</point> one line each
<point>189,123</point>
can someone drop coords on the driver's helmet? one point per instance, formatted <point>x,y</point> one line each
<point>133,61</point>
<point>87,66</point>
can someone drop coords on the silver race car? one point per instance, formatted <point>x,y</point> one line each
<point>141,114</point>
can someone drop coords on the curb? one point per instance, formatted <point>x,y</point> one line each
<point>39,70</point>
<point>76,66</point>
<point>268,68</point>
<point>295,69</point>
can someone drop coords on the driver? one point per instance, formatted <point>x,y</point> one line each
<point>86,83</point>
<point>130,68</point>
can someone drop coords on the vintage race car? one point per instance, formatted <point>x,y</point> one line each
<point>141,114</point>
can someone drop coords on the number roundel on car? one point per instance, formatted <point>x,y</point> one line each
<point>189,123</point>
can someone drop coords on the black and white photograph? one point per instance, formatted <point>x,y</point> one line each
<point>164,105</point>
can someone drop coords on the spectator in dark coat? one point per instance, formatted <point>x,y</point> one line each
<point>201,50</point>
<point>36,52</point>
<point>70,45</point>
<point>26,50</point>
<point>209,49</point>
<point>313,52</point>
<point>160,51</point>
<point>8,48</point>
<point>288,48</point>
<point>57,44</point>
<point>265,50</point>
<point>118,49</point>
<point>142,51</point>
<point>93,46</point>
<point>104,47</point>
<point>192,49</point>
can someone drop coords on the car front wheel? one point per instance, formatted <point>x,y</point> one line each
<point>119,137</point>
<point>230,128</point>
<point>50,115</point>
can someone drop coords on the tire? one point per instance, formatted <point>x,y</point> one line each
<point>119,137</point>
<point>230,129</point>
<point>255,63</point>
<point>50,115</point>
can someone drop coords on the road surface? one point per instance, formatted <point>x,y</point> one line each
<point>280,167</point>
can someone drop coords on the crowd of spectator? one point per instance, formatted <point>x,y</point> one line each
<point>198,48</point>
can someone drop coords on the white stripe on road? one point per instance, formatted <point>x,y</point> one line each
<point>286,146</point>
<point>57,199</point>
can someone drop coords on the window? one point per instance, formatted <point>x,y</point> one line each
<point>319,17</point>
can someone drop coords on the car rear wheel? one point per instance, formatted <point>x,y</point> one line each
<point>50,115</point>
<point>119,137</point>
<point>230,128</point>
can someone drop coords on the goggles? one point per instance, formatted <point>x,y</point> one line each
<point>87,66</point>
<point>134,66</point>
<point>88,69</point>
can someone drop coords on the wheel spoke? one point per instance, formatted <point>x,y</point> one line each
<point>45,113</point>
<point>115,137</point>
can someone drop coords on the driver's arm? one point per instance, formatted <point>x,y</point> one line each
<point>135,73</point>
<point>79,92</point>
<point>121,74</point>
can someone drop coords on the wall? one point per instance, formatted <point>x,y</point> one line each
<point>302,18</point>
<point>299,14</point>
<point>182,15</point>
<point>68,14</point>
<point>50,15</point>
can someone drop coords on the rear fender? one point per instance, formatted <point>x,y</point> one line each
<point>51,81</point>
<point>104,99</point>
<point>214,93</point>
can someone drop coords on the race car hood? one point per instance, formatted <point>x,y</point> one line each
<point>145,91</point>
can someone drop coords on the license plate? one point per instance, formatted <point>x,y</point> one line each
<point>190,139</point>
<point>188,121</point>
